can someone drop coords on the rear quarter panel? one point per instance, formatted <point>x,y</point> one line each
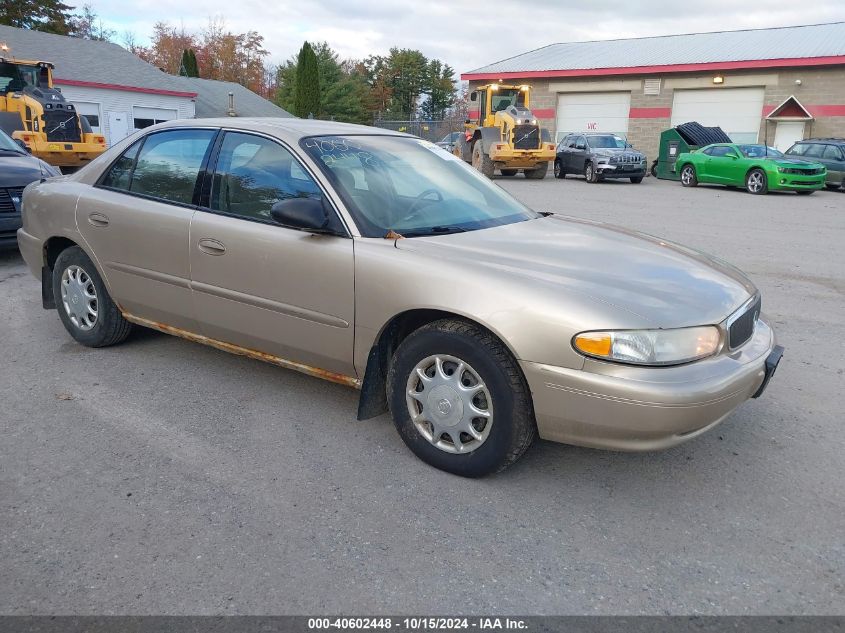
<point>49,210</point>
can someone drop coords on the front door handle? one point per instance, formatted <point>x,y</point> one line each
<point>211,247</point>
<point>98,219</point>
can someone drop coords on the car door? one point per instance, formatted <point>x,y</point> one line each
<point>717,163</point>
<point>137,224</point>
<point>577,157</point>
<point>258,285</point>
<point>833,158</point>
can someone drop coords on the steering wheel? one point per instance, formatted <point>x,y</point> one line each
<point>412,210</point>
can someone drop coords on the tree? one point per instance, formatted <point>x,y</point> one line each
<point>440,88</point>
<point>88,26</point>
<point>307,95</point>
<point>188,66</point>
<point>51,16</point>
<point>167,46</point>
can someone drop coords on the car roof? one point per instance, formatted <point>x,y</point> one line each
<point>288,129</point>
<point>821,140</point>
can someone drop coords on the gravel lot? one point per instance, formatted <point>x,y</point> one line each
<point>161,476</point>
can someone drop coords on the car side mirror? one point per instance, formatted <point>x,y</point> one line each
<point>304,214</point>
<point>23,145</point>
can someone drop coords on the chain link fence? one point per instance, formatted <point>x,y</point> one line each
<point>430,130</point>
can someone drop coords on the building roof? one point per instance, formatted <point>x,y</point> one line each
<point>213,99</point>
<point>818,44</point>
<point>90,63</point>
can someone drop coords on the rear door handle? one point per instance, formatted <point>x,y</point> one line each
<point>211,247</point>
<point>98,219</point>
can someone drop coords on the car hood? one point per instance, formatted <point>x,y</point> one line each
<point>18,170</point>
<point>615,151</point>
<point>795,162</point>
<point>666,284</point>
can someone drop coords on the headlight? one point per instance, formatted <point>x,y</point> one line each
<point>650,347</point>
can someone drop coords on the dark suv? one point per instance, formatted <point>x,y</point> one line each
<point>598,156</point>
<point>830,152</point>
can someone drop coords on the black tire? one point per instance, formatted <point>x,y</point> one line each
<point>513,427</point>
<point>637,180</point>
<point>692,177</point>
<point>654,169</point>
<point>110,328</point>
<point>559,170</point>
<point>509,172</point>
<point>538,173</point>
<point>805,193</point>
<point>750,188</point>
<point>591,173</point>
<point>833,186</point>
<point>482,161</point>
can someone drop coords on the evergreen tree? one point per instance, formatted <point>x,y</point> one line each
<point>51,16</point>
<point>195,67</point>
<point>307,95</point>
<point>188,65</point>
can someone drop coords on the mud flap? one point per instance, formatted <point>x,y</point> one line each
<point>48,301</point>
<point>373,400</point>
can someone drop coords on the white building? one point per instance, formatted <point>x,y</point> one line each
<point>120,93</point>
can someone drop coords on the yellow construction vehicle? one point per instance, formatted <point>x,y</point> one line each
<point>502,133</point>
<point>32,111</point>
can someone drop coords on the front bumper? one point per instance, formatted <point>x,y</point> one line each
<point>521,158</point>
<point>9,225</point>
<point>793,182</point>
<point>625,408</point>
<point>607,170</point>
<point>66,154</point>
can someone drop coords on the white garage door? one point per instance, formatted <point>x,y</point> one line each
<point>145,117</point>
<point>90,111</point>
<point>593,112</point>
<point>736,110</point>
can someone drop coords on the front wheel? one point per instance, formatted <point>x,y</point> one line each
<point>590,173</point>
<point>637,180</point>
<point>559,171</point>
<point>654,169</point>
<point>459,399</point>
<point>84,305</point>
<point>805,193</point>
<point>481,160</point>
<point>688,176</point>
<point>756,182</point>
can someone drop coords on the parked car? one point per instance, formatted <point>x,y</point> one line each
<point>18,168</point>
<point>448,141</point>
<point>830,152</point>
<point>758,168</point>
<point>599,156</point>
<point>379,261</point>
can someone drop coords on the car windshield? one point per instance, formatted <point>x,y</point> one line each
<point>607,141</point>
<point>7,144</point>
<point>410,186</point>
<point>759,151</point>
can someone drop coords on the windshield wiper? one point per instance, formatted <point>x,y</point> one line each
<point>436,230</point>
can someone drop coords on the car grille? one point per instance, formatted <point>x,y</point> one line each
<point>802,172</point>
<point>6,203</point>
<point>627,159</point>
<point>62,126</point>
<point>526,137</point>
<point>742,326</point>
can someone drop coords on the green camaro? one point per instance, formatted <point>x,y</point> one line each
<point>758,168</point>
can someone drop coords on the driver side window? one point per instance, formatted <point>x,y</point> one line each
<point>254,173</point>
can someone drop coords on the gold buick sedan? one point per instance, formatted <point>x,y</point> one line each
<point>382,262</point>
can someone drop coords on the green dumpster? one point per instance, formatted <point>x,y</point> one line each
<point>685,137</point>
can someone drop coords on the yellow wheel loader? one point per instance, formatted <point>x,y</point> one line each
<point>32,111</point>
<point>502,133</point>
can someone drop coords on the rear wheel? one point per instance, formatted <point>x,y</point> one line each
<point>84,305</point>
<point>459,399</point>
<point>637,180</point>
<point>590,173</point>
<point>688,176</point>
<point>509,172</point>
<point>538,173</point>
<point>805,193</point>
<point>559,171</point>
<point>756,182</point>
<point>481,160</point>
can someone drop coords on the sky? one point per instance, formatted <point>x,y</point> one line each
<point>466,34</point>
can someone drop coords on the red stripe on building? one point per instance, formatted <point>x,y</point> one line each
<point>650,113</point>
<point>831,60</point>
<point>94,84</point>
<point>826,110</point>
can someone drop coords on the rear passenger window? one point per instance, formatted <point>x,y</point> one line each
<point>169,163</point>
<point>814,150</point>
<point>254,173</point>
<point>121,171</point>
<point>831,152</point>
